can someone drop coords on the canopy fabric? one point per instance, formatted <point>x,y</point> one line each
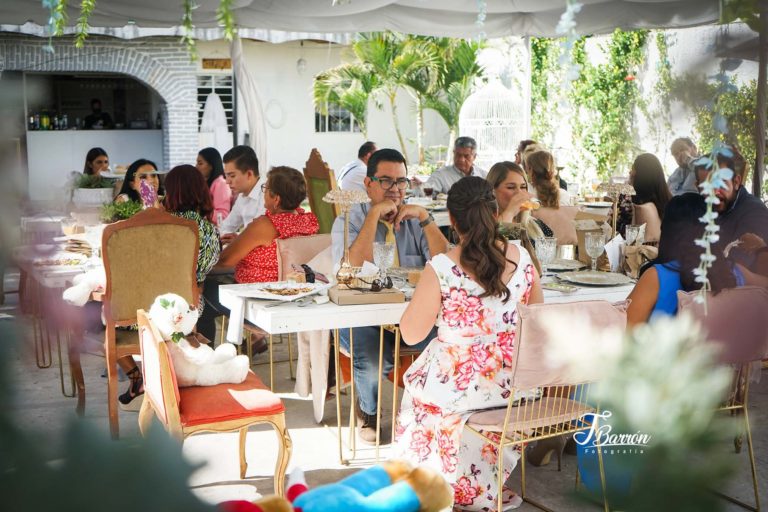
<point>246,84</point>
<point>454,18</point>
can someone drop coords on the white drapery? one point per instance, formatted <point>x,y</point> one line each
<point>213,128</point>
<point>246,85</point>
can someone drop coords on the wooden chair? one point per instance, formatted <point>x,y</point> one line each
<point>735,320</point>
<point>565,399</point>
<point>150,254</point>
<point>561,221</point>
<point>221,408</point>
<point>320,180</point>
<point>646,214</point>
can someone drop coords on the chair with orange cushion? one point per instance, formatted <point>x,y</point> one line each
<point>220,408</point>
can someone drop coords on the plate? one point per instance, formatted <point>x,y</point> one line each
<point>112,175</point>
<point>281,290</point>
<point>591,278</point>
<point>437,206</point>
<point>561,265</point>
<point>596,204</point>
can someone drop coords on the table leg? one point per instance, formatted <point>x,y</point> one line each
<point>397,379</point>
<point>68,394</point>
<point>338,395</point>
<point>271,368</point>
<point>352,403</point>
<point>76,371</point>
<point>378,400</point>
<point>37,328</point>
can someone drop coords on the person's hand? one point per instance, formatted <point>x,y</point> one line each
<point>750,242</point>
<point>416,181</point>
<point>385,210</point>
<point>410,211</point>
<point>514,206</point>
<point>227,238</point>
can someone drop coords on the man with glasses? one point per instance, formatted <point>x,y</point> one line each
<point>464,153</point>
<point>416,239</point>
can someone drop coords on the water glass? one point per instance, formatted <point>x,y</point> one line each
<point>93,237</point>
<point>635,235</point>
<point>594,243</point>
<point>546,248</point>
<point>68,226</point>
<point>383,256</point>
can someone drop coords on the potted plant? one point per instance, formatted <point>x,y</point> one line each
<point>113,212</point>
<point>92,190</point>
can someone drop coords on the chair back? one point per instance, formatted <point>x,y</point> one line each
<point>735,319</point>
<point>160,386</point>
<point>299,250</point>
<point>646,214</point>
<point>531,368</point>
<point>561,221</point>
<point>320,180</point>
<point>150,254</point>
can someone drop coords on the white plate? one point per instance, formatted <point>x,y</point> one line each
<point>590,278</point>
<point>597,204</point>
<point>421,201</point>
<point>264,290</point>
<point>112,175</point>
<point>561,265</point>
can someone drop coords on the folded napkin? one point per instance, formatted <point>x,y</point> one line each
<point>236,319</point>
<point>614,251</point>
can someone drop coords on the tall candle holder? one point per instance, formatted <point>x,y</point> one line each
<point>345,199</point>
<point>615,191</point>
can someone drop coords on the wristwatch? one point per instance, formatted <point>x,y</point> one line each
<point>426,222</point>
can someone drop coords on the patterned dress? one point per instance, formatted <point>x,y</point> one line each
<point>210,248</point>
<point>468,367</point>
<point>260,265</point>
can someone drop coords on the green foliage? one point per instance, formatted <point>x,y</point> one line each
<point>604,98</point>
<point>226,19</point>
<point>93,181</point>
<point>544,86</point>
<point>188,27</point>
<point>86,9</point>
<point>744,10</point>
<point>113,212</point>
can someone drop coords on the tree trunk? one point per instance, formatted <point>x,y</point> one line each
<point>392,96</point>
<point>420,129</point>
<point>762,83</point>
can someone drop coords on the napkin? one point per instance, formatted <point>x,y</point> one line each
<point>368,270</point>
<point>614,250</point>
<point>236,318</point>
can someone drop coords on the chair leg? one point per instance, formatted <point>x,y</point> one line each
<point>243,463</point>
<point>271,367</point>
<point>223,335</point>
<point>145,416</point>
<point>750,447</point>
<point>114,422</point>
<point>285,447</point>
<point>500,477</point>
<point>290,357</point>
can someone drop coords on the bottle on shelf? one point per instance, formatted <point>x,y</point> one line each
<point>37,121</point>
<point>159,121</point>
<point>45,121</point>
<point>64,123</point>
<point>31,124</point>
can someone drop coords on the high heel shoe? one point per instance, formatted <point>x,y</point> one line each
<point>131,400</point>
<point>541,453</point>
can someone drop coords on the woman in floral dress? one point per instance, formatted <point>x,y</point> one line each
<point>471,293</point>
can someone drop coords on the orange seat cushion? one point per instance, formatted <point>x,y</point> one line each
<point>208,404</point>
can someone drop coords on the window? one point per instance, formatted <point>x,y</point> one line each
<point>337,120</point>
<point>221,85</point>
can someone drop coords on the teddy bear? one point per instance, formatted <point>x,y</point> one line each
<point>83,284</point>
<point>393,486</point>
<point>195,363</point>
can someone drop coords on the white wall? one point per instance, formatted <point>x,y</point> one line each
<point>287,95</point>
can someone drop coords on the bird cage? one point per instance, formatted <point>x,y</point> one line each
<point>495,118</point>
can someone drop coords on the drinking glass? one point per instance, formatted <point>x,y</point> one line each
<point>93,237</point>
<point>68,226</point>
<point>428,191</point>
<point>594,243</point>
<point>546,248</point>
<point>635,235</point>
<point>383,256</point>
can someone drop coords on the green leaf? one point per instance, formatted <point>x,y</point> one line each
<point>177,336</point>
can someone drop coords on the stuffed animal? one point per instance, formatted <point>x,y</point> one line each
<point>83,285</point>
<point>196,364</point>
<point>393,486</point>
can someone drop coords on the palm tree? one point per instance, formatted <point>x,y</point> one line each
<point>348,86</point>
<point>423,82</point>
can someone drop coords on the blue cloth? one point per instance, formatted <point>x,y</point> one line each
<point>366,361</point>
<point>412,247</point>
<point>669,284</point>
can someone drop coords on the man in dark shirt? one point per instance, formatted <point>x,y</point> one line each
<point>739,212</point>
<point>97,119</point>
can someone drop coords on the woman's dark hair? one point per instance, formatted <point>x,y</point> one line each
<point>186,191</point>
<point>541,165</point>
<point>650,183</point>
<point>92,155</point>
<point>473,208</point>
<point>500,170</point>
<point>289,184</point>
<point>213,157</point>
<point>130,174</point>
<point>680,227</point>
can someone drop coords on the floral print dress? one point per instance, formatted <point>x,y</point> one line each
<point>468,367</point>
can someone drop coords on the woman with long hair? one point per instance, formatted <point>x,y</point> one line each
<point>470,293</point>
<point>510,187</point>
<point>655,293</point>
<point>140,170</point>
<point>650,184</point>
<point>96,161</point>
<point>544,180</point>
<point>211,167</point>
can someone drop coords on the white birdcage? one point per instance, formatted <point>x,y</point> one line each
<point>494,117</point>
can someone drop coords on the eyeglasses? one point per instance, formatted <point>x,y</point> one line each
<point>375,286</point>
<point>388,183</point>
<point>264,188</point>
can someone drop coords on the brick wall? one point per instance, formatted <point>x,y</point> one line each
<point>162,63</point>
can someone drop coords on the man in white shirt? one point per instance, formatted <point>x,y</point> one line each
<point>241,171</point>
<point>464,153</point>
<point>351,176</point>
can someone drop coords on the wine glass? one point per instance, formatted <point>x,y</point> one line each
<point>93,237</point>
<point>634,235</point>
<point>546,247</point>
<point>383,257</point>
<point>594,243</point>
<point>68,226</point>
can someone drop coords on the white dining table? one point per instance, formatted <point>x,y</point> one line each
<point>294,317</point>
